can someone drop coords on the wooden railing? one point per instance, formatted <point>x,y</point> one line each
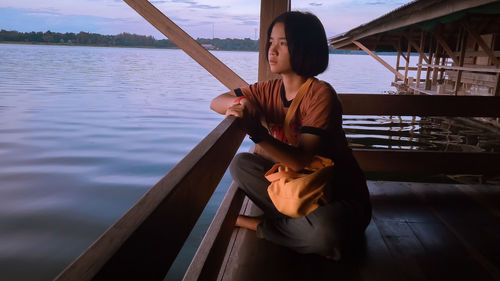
<point>143,244</point>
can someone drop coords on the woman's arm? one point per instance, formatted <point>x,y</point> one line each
<point>221,103</point>
<point>294,157</point>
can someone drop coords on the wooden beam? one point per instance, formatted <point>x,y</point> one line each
<point>441,70</point>
<point>415,13</point>
<point>210,254</point>
<point>269,10</point>
<point>409,68</point>
<point>469,53</point>
<point>180,38</point>
<point>397,61</point>
<point>397,46</point>
<point>481,43</point>
<point>420,105</point>
<point>143,244</point>
<point>445,46</point>
<point>432,53</point>
<point>384,63</point>
<point>435,70</point>
<point>426,162</point>
<point>488,80</point>
<point>405,57</point>
<point>418,48</point>
<point>496,90</point>
<point>463,46</point>
<point>464,68</point>
<point>407,65</point>
<point>420,57</point>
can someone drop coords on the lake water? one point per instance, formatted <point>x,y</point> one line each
<point>85,131</point>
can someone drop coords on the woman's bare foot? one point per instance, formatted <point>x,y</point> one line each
<point>247,222</point>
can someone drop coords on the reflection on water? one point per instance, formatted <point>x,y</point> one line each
<point>421,133</point>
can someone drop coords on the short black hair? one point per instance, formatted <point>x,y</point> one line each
<point>306,40</point>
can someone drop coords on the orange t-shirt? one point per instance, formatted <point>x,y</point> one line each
<point>319,113</point>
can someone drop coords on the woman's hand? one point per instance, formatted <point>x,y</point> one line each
<point>249,120</point>
<point>242,108</point>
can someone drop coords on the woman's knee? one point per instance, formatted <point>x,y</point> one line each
<point>239,164</point>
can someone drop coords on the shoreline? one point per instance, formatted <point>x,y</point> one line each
<point>102,46</point>
<point>160,48</point>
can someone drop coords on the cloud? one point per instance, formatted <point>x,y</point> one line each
<point>205,7</point>
<point>183,1</point>
<point>197,17</point>
<point>250,22</point>
<point>196,5</point>
<point>242,20</point>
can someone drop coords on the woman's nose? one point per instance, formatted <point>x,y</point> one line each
<point>272,49</point>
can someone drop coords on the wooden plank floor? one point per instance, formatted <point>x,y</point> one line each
<point>418,232</point>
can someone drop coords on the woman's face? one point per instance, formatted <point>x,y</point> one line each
<point>278,55</point>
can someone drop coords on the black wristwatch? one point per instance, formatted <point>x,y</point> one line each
<point>256,138</point>
<point>259,136</point>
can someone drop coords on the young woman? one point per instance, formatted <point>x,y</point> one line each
<point>297,49</point>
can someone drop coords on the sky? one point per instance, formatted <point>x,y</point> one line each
<point>199,18</point>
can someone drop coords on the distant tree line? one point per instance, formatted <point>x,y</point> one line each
<point>246,44</point>
<point>133,40</point>
<point>122,39</point>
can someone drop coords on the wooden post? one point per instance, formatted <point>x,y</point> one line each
<point>384,63</point>
<point>398,47</point>
<point>496,91</point>
<point>463,39</point>
<point>441,71</point>
<point>174,33</point>
<point>407,63</point>
<point>429,69</point>
<point>418,48</point>
<point>445,46</point>
<point>435,71</point>
<point>481,43</point>
<point>269,9</point>
<point>420,57</point>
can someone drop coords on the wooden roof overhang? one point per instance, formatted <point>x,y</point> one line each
<point>442,18</point>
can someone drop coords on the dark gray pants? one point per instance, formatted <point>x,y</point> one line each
<point>327,228</point>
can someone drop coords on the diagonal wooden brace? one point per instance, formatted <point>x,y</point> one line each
<point>208,61</point>
<point>384,63</point>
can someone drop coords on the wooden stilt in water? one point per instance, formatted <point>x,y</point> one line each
<point>398,59</point>
<point>429,69</point>
<point>420,57</point>
<point>435,71</point>
<point>462,39</point>
<point>407,61</point>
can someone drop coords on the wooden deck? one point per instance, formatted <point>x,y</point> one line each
<point>419,231</point>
